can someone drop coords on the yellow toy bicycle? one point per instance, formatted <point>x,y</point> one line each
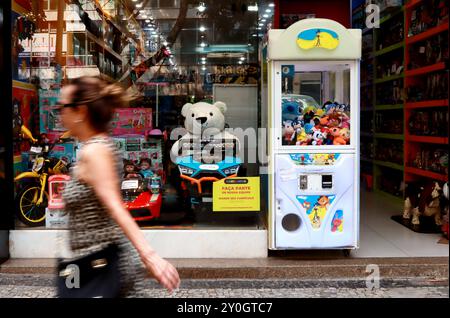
<point>32,199</point>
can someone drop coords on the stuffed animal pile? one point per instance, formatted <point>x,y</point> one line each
<point>309,124</point>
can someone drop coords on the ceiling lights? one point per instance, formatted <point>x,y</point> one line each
<point>253,8</point>
<point>201,7</point>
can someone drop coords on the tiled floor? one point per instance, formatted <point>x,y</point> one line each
<point>382,237</point>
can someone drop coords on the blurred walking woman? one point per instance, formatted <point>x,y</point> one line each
<point>97,216</point>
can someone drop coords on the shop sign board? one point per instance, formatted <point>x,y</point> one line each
<point>236,194</point>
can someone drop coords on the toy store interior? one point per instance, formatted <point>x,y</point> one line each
<point>191,64</point>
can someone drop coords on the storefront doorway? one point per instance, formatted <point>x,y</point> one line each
<point>168,54</point>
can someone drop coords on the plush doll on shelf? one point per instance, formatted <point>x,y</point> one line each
<point>145,165</point>
<point>130,170</point>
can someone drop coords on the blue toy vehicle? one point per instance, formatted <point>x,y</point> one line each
<point>198,175</point>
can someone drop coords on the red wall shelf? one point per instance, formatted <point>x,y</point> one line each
<point>429,33</point>
<point>427,174</point>
<point>426,69</point>
<point>427,103</point>
<point>427,139</point>
<point>412,3</point>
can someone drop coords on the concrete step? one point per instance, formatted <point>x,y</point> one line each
<point>303,268</point>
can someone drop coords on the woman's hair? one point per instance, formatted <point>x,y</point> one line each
<point>101,98</point>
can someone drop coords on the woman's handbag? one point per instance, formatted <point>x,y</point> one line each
<point>96,275</point>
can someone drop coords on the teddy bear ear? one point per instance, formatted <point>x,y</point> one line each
<point>186,108</point>
<point>222,106</point>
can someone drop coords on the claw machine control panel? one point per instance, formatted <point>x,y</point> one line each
<point>313,75</point>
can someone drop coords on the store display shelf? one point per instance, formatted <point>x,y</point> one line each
<point>426,173</point>
<point>366,84</point>
<point>24,85</point>
<point>388,164</point>
<point>366,159</point>
<point>392,14</point>
<point>388,107</point>
<point>427,139</point>
<point>389,49</point>
<point>427,34</point>
<point>389,78</point>
<point>102,44</point>
<point>388,195</point>
<point>366,134</point>
<point>390,136</point>
<point>427,103</point>
<point>412,3</point>
<point>425,69</point>
<point>116,25</point>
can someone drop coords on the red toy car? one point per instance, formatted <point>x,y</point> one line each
<point>142,197</point>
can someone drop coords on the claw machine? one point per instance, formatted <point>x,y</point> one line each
<point>313,74</point>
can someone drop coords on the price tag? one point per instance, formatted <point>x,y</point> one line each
<point>130,184</point>
<point>35,149</point>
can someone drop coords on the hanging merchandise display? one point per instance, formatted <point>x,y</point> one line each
<point>314,159</point>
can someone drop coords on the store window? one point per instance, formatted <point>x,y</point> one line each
<point>181,62</point>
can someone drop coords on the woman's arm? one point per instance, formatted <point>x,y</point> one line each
<point>97,168</point>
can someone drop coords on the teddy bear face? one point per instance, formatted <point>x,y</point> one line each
<point>204,116</point>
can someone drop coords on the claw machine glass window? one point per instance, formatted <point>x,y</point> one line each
<point>316,101</point>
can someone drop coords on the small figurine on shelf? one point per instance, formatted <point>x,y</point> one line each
<point>130,170</point>
<point>145,165</point>
<point>423,200</point>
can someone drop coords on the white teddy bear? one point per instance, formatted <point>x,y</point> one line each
<point>205,121</point>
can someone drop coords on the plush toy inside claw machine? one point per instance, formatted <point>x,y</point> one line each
<point>314,109</point>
